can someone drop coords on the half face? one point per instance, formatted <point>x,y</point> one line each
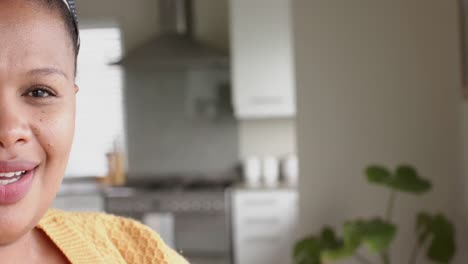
<point>37,113</point>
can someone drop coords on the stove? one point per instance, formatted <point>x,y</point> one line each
<point>192,216</point>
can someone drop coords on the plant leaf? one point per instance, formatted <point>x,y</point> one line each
<point>329,239</point>
<point>405,179</point>
<point>441,233</point>
<point>330,255</point>
<point>308,250</point>
<point>378,175</point>
<point>376,234</point>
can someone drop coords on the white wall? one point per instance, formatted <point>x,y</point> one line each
<point>378,81</point>
<point>267,137</point>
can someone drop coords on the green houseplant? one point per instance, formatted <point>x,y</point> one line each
<point>435,233</point>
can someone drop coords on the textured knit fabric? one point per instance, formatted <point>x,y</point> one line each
<point>100,238</point>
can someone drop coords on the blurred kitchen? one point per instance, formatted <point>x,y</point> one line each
<point>188,120</point>
<point>178,108</point>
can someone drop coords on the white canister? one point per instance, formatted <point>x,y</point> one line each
<point>252,171</point>
<point>270,171</point>
<point>290,170</point>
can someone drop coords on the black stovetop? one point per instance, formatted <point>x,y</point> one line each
<point>180,183</point>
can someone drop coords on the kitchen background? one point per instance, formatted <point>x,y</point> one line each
<point>185,105</point>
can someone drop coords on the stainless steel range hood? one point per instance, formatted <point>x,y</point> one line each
<point>175,46</point>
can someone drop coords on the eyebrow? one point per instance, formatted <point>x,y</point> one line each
<point>47,71</point>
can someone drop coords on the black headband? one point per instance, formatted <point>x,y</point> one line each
<point>72,8</point>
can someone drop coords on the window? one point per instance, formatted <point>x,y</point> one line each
<point>100,114</point>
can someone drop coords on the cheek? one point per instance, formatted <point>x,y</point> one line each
<point>53,131</point>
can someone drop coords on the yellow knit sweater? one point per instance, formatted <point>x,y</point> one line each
<point>99,238</point>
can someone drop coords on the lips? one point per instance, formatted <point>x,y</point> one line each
<point>19,165</point>
<point>15,186</point>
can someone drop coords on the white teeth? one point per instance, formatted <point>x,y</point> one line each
<point>18,173</point>
<point>11,174</point>
<point>5,182</point>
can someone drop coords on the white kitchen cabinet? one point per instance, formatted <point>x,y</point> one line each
<point>264,225</point>
<point>262,59</point>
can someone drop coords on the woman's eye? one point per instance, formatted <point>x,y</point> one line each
<point>40,93</point>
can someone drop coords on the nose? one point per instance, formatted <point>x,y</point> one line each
<point>13,126</point>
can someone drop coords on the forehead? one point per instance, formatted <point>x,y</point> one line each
<point>32,36</point>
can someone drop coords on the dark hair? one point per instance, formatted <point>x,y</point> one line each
<point>70,20</point>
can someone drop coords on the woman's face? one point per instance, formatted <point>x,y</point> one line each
<point>37,112</point>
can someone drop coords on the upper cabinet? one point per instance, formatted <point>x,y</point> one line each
<point>262,59</point>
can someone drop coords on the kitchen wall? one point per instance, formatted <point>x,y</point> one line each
<point>167,131</point>
<point>212,23</point>
<point>465,101</point>
<point>267,137</point>
<point>378,82</point>
<point>138,20</point>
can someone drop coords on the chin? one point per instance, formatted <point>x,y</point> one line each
<point>15,223</point>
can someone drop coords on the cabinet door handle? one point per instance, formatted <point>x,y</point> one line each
<point>260,202</point>
<point>267,100</point>
<point>262,221</point>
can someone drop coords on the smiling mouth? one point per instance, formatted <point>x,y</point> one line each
<point>11,177</point>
